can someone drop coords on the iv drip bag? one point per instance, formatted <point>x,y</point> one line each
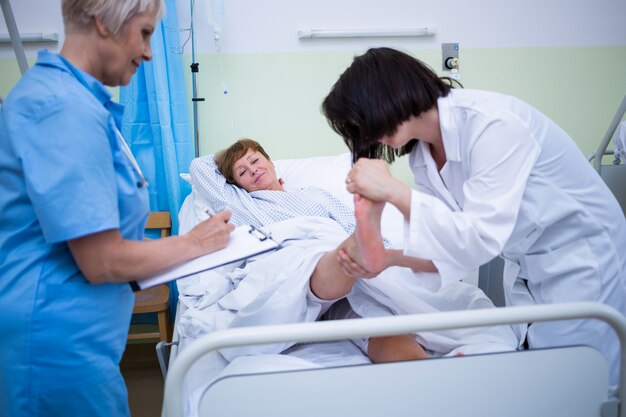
<point>215,15</point>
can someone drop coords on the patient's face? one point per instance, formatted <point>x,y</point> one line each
<point>254,172</point>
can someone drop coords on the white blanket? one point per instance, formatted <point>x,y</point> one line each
<point>274,289</point>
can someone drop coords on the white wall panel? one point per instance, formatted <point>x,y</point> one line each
<point>253,26</point>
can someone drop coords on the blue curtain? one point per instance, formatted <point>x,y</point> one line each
<point>156,123</point>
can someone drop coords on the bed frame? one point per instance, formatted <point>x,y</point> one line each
<point>568,381</point>
<point>613,174</point>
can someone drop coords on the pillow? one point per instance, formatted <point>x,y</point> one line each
<point>193,209</point>
<point>327,172</point>
<point>186,176</point>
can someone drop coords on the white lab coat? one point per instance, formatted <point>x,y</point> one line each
<point>516,185</point>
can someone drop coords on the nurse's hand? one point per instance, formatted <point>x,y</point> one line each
<point>107,257</point>
<point>212,234</point>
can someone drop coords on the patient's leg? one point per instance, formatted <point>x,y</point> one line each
<point>395,348</point>
<point>364,255</point>
<point>368,215</point>
<point>329,281</point>
<point>383,348</point>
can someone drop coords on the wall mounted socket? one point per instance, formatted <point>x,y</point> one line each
<point>449,56</point>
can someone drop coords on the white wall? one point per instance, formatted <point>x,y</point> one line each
<point>565,57</point>
<point>252,26</point>
<point>34,16</point>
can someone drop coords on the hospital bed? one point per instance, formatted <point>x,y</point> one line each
<point>566,381</point>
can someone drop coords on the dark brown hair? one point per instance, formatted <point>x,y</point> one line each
<point>379,91</point>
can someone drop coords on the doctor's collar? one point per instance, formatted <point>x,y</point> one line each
<point>449,131</point>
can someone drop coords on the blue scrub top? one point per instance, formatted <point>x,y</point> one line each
<point>64,175</point>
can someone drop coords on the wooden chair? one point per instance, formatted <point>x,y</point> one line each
<point>155,299</point>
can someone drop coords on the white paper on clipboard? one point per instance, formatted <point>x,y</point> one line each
<point>244,242</point>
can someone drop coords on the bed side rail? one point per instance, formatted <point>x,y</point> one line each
<point>602,147</point>
<point>385,326</point>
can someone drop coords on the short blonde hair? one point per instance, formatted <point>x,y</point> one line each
<point>226,158</point>
<point>114,13</point>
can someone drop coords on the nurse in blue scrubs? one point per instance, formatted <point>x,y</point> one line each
<point>73,206</point>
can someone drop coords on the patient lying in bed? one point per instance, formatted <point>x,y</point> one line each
<point>275,288</point>
<point>315,225</point>
<point>247,165</point>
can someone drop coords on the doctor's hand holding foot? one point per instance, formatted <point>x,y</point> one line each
<point>363,254</point>
<point>372,179</point>
<point>493,177</point>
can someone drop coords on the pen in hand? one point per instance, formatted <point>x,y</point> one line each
<point>210,212</point>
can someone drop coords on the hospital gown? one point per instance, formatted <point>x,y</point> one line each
<point>260,208</point>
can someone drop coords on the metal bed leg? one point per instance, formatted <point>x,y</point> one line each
<point>163,355</point>
<point>610,408</point>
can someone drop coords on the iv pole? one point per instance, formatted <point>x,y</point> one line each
<point>195,67</point>
<point>16,40</point>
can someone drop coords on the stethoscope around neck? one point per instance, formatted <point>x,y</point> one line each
<point>142,182</point>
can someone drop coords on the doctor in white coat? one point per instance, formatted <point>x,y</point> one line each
<point>494,177</point>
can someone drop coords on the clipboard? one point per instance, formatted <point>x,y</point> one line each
<point>244,242</point>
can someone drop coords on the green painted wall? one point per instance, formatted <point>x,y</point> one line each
<point>276,97</point>
<point>9,74</point>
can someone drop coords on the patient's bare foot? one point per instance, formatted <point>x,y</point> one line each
<point>370,242</point>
